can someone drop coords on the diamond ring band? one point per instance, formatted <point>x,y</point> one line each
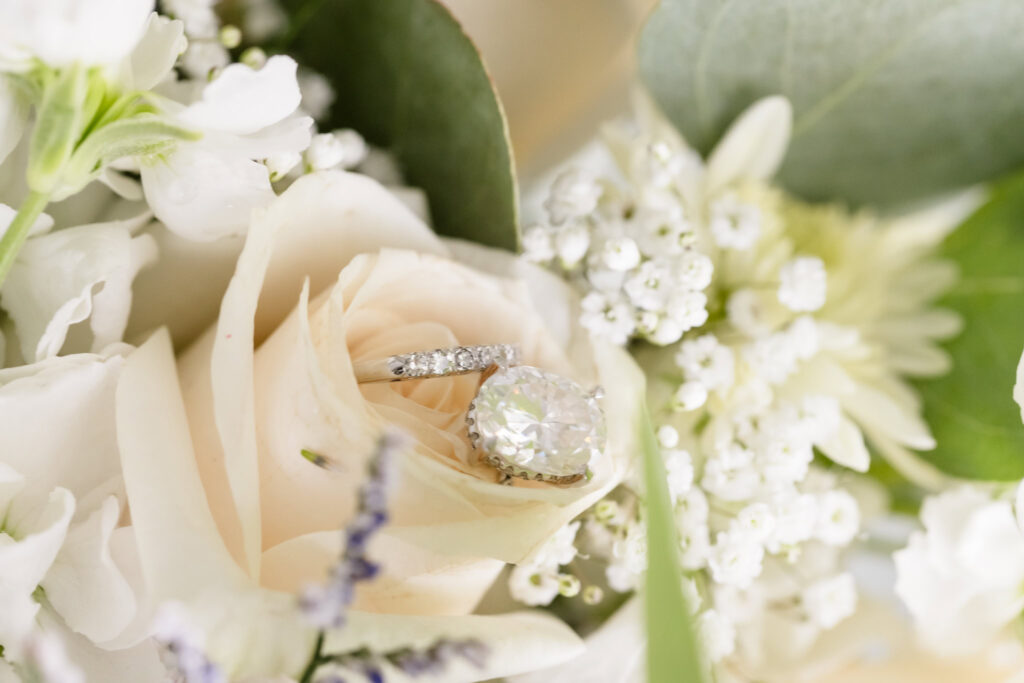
<point>525,422</point>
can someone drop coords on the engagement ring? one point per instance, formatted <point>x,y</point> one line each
<point>525,422</point>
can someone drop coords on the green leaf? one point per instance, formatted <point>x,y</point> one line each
<point>893,99</point>
<point>671,647</point>
<point>971,410</point>
<point>409,79</point>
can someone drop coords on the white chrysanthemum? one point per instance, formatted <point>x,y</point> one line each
<point>802,284</point>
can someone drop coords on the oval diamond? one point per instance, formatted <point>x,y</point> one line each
<point>530,420</point>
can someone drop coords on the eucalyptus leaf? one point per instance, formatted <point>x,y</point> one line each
<point>971,410</point>
<point>409,79</point>
<point>894,99</point>
<point>671,647</point>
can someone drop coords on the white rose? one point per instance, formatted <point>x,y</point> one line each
<point>273,378</point>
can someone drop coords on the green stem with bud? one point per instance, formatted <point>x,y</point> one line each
<point>17,232</point>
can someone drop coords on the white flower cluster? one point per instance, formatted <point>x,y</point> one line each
<point>768,545</point>
<point>798,349</point>
<point>538,580</point>
<point>633,254</point>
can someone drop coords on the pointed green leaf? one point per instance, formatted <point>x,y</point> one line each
<point>893,99</point>
<point>671,647</point>
<point>971,410</point>
<point>409,79</point>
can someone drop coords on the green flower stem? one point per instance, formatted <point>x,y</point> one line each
<point>17,232</point>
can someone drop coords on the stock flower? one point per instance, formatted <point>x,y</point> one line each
<point>78,273</point>
<point>962,576</point>
<point>60,33</point>
<point>377,281</point>
<point>61,499</point>
<point>206,189</point>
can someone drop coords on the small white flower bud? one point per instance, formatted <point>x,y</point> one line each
<point>230,36</point>
<point>253,57</point>
<point>317,93</point>
<point>354,147</point>
<point>668,331</point>
<point>204,59</point>
<point>690,396</point>
<point>325,151</point>
<point>592,595</point>
<point>568,585</point>
<point>621,253</point>
<point>280,165</point>
<point>537,245</point>
<point>574,193</point>
<point>572,243</point>
<point>668,437</point>
<point>606,510</point>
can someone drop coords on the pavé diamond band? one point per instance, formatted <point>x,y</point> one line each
<point>525,422</point>
<point>457,360</point>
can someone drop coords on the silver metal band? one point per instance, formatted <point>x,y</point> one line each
<point>457,360</point>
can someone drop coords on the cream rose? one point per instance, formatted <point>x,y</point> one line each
<point>335,271</point>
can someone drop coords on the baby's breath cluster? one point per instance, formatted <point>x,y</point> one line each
<point>632,253</point>
<point>777,343</point>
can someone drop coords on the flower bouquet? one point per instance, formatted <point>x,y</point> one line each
<point>305,377</point>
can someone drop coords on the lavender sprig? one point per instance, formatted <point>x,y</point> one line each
<point>183,653</point>
<point>434,659</point>
<point>325,605</point>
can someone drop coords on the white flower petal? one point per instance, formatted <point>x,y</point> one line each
<point>754,146</point>
<point>57,422</point>
<point>516,642</point>
<point>53,284</point>
<point>289,136</point>
<point>879,412</point>
<point>243,100</point>
<point>140,663</point>
<point>84,585</point>
<point>42,225</point>
<point>154,56</point>
<point>61,32</point>
<point>203,193</point>
<point>13,115</point>
<point>35,527</point>
<point>846,447</point>
<point>614,652</point>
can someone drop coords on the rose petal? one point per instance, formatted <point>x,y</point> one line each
<point>516,642</point>
<point>180,549</point>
